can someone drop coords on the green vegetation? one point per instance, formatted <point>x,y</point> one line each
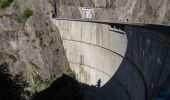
<point>81,4</point>
<point>5,3</point>
<point>38,80</point>
<point>70,73</point>
<point>26,13</point>
<point>50,80</point>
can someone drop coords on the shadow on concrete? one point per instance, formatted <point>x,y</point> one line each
<point>141,75</point>
<point>164,93</point>
<point>145,66</point>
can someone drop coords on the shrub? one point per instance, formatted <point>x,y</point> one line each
<point>38,80</point>
<point>70,73</point>
<point>26,13</point>
<point>50,80</point>
<point>5,3</point>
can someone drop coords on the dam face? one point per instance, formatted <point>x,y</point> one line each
<point>120,63</point>
<point>90,47</point>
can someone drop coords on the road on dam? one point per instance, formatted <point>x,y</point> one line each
<point>117,61</point>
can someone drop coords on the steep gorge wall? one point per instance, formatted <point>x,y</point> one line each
<point>144,11</point>
<point>31,46</point>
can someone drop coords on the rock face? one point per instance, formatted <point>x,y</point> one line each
<point>144,11</point>
<point>31,45</point>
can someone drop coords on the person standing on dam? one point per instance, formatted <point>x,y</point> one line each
<point>98,83</point>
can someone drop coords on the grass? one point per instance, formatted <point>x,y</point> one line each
<point>5,3</point>
<point>50,80</point>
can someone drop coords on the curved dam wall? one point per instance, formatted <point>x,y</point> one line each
<point>117,62</point>
<point>90,47</point>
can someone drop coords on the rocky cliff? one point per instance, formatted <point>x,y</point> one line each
<point>31,46</point>
<point>29,43</point>
<point>134,11</point>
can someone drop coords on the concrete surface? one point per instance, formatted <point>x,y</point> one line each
<point>127,63</point>
<point>90,47</point>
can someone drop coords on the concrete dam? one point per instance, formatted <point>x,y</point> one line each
<point>120,61</point>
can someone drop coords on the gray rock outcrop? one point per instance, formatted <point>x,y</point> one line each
<point>133,11</point>
<point>30,44</point>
